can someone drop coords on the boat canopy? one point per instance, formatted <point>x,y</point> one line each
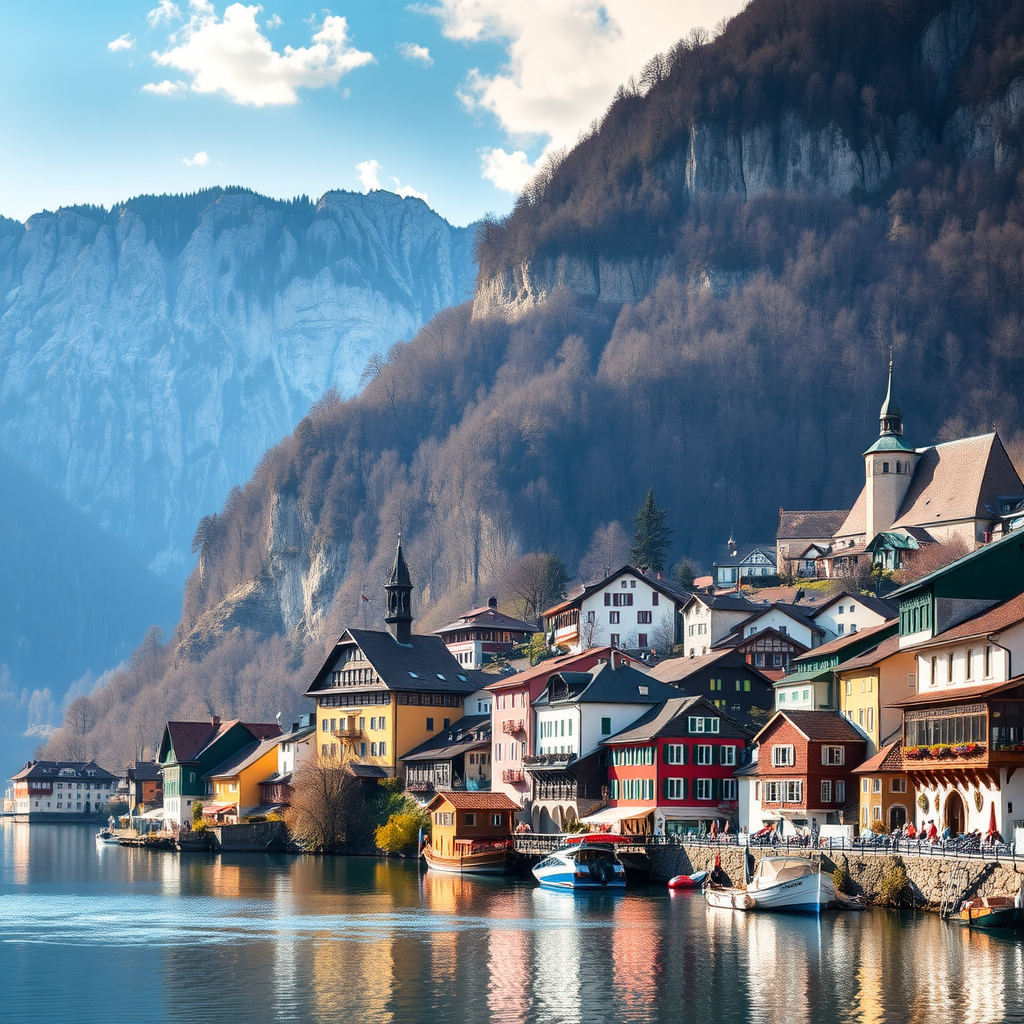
<point>784,869</point>
<point>611,815</point>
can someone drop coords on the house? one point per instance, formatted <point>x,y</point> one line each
<point>61,790</point>
<point>295,748</point>
<point>672,771</point>
<point>804,770</point>
<point>380,693</point>
<point>734,564</point>
<point>460,818</point>
<point>725,678</point>
<point>963,730</point>
<point>847,613</point>
<point>886,791</point>
<point>804,536</point>
<point>235,786</point>
<point>459,758</point>
<point>708,618</point>
<point>189,750</point>
<point>627,610</point>
<point>483,634</point>
<point>145,787</point>
<point>786,619</point>
<point>812,684</point>
<point>574,712</point>
<point>769,651</point>
<point>512,731</point>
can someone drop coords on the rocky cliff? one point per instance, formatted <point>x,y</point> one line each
<point>150,354</point>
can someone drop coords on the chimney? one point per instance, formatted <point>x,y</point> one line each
<point>216,721</point>
<point>492,602</point>
<point>615,660</point>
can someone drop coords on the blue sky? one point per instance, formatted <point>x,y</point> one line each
<point>452,100</point>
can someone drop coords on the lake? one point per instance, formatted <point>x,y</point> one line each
<point>92,934</point>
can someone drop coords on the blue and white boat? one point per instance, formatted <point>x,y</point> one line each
<point>792,884</point>
<point>581,866</point>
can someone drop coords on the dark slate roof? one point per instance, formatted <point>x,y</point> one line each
<point>818,525</point>
<point>659,721</point>
<point>190,739</point>
<point>468,733</point>
<point>724,602</point>
<point>605,685</point>
<point>145,771</point>
<point>488,618</point>
<point>796,614</point>
<point>422,665</point>
<point>52,770</point>
<point>400,571</point>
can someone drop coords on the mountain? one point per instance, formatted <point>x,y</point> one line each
<point>151,353</point>
<point>721,334</point>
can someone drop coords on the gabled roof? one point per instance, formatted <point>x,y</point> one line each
<point>817,726</point>
<point>723,602</point>
<point>885,649</point>
<point>740,553</point>
<point>837,645</point>
<point>872,603</point>
<point>956,694</point>
<point>424,664</point>
<point>672,593</point>
<point>550,666</point>
<point>797,615</point>
<point>144,771</point>
<point>888,759</point>
<point>605,685</point>
<point>241,760</point>
<point>474,800</point>
<point>799,525</point>
<point>675,671</point>
<point>188,740</point>
<point>737,642</point>
<point>82,771</point>
<point>993,620</point>
<point>468,733</point>
<point>488,618</point>
<point>659,720</point>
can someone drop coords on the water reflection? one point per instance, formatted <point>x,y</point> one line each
<point>325,940</point>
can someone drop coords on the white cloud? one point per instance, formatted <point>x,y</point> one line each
<point>413,51</point>
<point>166,88</point>
<point>566,58</point>
<point>275,21</point>
<point>508,171</point>
<point>368,172</point>
<point>232,57</point>
<point>124,42</point>
<point>199,160</point>
<point>165,11</point>
<point>369,178</point>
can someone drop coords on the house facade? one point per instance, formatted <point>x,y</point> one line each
<point>846,613</point>
<point>234,788</point>
<point>708,618</point>
<point>803,536</point>
<point>483,634</point>
<point>61,791</point>
<point>735,564</point>
<point>464,817</point>
<point>145,787</point>
<point>805,770</point>
<point>457,759</point>
<point>296,748</point>
<point>672,771</point>
<point>886,792</point>
<point>769,651</point>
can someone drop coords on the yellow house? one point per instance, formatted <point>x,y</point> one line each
<point>381,693</point>
<point>886,793</point>
<point>869,683</point>
<point>234,786</point>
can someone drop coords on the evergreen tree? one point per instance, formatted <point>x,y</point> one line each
<point>684,574</point>
<point>651,537</point>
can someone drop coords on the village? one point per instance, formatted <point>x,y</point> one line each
<point>806,713</point>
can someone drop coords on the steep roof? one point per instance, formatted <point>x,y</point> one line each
<point>653,723</point>
<point>801,525</point>
<point>817,726</point>
<point>723,602</point>
<point>241,760</point>
<point>468,733</point>
<point>189,739</point>
<point>488,617</point>
<point>474,800</point>
<point>856,522</point>
<point>605,685</point>
<point>550,666</point>
<point>680,597</point>
<point>956,480</point>
<point>834,646</point>
<point>1002,616</point>
<point>797,615</point>
<point>424,664</point>
<point>675,670</point>
<point>888,759</point>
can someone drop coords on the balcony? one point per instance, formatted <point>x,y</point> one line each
<point>513,775</point>
<point>348,732</point>
<point>511,728</point>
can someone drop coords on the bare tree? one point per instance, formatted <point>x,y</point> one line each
<point>327,805</point>
<point>608,551</point>
<point>931,557</point>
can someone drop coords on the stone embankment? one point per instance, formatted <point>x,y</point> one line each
<point>928,876</point>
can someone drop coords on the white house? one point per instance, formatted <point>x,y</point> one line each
<point>627,610</point>
<point>849,613</point>
<point>788,620</point>
<point>735,564</point>
<point>61,790</point>
<point>708,618</point>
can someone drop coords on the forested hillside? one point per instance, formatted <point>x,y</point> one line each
<point>747,374</point>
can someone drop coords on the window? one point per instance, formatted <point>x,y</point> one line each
<point>430,725</point>
<point>704,753</point>
<point>949,667</point>
<point>885,467</point>
<point>613,618</point>
<point>324,725</point>
<point>606,727</point>
<point>935,672</point>
<point>871,720</point>
<point>833,755</point>
<point>654,599</point>
<point>826,791</point>
<point>641,639</point>
<point>783,755</point>
<point>675,789</point>
<point>849,687</point>
<point>898,786</point>
<point>876,785</point>
<point>697,725</point>
<point>728,754</point>
<point>622,600</point>
<point>730,789</point>
<point>782,697</point>
<point>704,789</point>
<point>863,785</point>
<point>373,750</point>
<point>841,629</point>
<point>987,662</point>
<point>840,792</point>
<point>643,617</point>
<point>911,680</point>
<point>383,747</point>
<point>496,819</point>
<point>614,639</point>
<point>675,753</point>
<point>591,616</point>
<point>470,819</point>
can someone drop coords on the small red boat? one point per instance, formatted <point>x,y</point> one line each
<point>694,881</point>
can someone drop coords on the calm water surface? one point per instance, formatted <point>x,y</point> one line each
<point>89,935</point>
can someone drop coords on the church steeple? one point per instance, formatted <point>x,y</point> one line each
<point>890,416</point>
<point>399,590</point>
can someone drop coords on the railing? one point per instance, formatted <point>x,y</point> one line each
<point>513,775</point>
<point>510,727</point>
<point>347,731</point>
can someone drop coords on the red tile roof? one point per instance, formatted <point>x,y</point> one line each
<point>818,726</point>
<point>476,801</point>
<point>956,694</point>
<point>888,759</point>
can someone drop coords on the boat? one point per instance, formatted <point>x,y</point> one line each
<point>473,857</point>
<point>106,837</point>
<point>994,911</point>
<point>581,866</point>
<point>694,881</point>
<point>792,884</point>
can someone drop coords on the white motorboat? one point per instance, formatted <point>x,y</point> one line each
<point>105,837</point>
<point>793,884</point>
<point>581,866</point>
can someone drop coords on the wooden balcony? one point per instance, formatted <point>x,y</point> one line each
<point>511,727</point>
<point>513,775</point>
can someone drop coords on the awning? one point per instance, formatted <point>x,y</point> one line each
<point>213,809</point>
<point>692,813</point>
<point>153,815</point>
<point>610,815</point>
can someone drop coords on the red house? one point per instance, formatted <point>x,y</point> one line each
<point>672,771</point>
<point>805,770</point>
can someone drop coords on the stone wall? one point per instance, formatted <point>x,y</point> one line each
<point>259,836</point>
<point>928,875</point>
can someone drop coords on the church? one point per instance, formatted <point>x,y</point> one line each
<point>965,490</point>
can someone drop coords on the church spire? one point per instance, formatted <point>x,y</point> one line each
<point>399,590</point>
<point>890,416</point>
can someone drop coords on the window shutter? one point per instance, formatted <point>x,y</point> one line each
<point>664,754</point>
<point>684,748</point>
<point>685,789</point>
<point>824,755</point>
<point>607,600</point>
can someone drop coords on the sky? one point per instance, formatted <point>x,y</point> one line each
<point>453,101</point>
